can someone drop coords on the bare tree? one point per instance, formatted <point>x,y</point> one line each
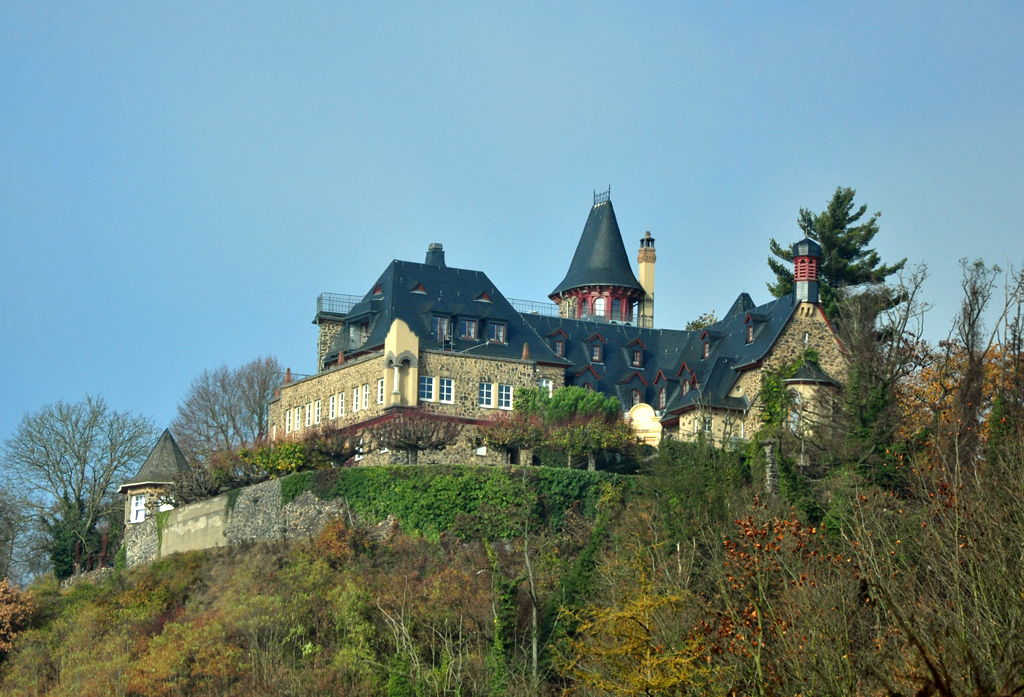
<point>226,409</point>
<point>10,524</point>
<point>63,462</point>
<point>415,433</point>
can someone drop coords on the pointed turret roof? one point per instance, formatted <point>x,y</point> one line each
<point>164,462</point>
<point>600,257</point>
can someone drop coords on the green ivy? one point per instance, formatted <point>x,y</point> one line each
<point>294,485</point>
<point>233,499</point>
<point>161,521</point>
<point>121,559</point>
<point>471,502</point>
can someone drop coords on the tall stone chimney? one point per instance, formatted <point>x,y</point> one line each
<point>435,254</point>
<point>646,259</point>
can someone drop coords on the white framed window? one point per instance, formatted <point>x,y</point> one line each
<point>273,432</point>
<point>497,333</point>
<point>355,399</point>
<point>366,396</point>
<point>485,396</point>
<point>708,424</point>
<point>359,449</point>
<point>298,418</point>
<point>317,412</point>
<point>138,514</point>
<point>599,307</point>
<point>309,414</point>
<point>547,386</point>
<point>341,404</point>
<point>380,391</point>
<point>331,413</point>
<point>446,390</point>
<point>504,396</point>
<point>426,388</point>
<point>288,421</point>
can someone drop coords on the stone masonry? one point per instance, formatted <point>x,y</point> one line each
<point>806,329</point>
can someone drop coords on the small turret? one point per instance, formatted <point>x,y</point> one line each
<point>806,259</point>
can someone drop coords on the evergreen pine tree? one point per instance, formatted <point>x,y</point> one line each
<point>846,258</point>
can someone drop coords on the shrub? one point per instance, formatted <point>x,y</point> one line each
<point>15,610</point>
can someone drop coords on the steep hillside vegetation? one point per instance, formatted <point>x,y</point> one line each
<point>688,580</point>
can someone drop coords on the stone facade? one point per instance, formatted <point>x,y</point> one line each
<point>341,380</point>
<point>152,492</point>
<point>329,330</point>
<point>403,359</point>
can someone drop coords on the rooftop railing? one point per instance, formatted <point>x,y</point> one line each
<point>336,303</point>
<point>529,307</point>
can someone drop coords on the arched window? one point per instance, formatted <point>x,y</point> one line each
<point>588,386</point>
<point>599,307</point>
<point>634,398</point>
<point>616,309</point>
<point>661,398</point>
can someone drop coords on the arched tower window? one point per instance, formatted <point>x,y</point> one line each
<point>599,307</point>
<point>616,309</point>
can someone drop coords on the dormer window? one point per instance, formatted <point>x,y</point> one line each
<point>750,333</point>
<point>595,353</point>
<point>686,387</point>
<point>559,347</point>
<point>634,398</point>
<point>467,329</point>
<point>359,333</point>
<point>661,398</point>
<point>442,328</point>
<point>638,358</point>
<point>707,349</point>
<point>497,333</point>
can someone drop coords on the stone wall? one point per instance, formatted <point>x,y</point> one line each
<point>252,514</point>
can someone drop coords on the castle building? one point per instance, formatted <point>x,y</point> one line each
<point>445,341</point>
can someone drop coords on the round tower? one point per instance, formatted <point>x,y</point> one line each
<point>600,284</point>
<point>806,260</point>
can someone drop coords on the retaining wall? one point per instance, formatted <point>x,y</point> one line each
<point>252,514</point>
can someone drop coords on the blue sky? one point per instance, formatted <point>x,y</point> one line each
<point>179,183</point>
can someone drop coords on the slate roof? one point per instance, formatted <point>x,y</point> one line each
<point>600,257</point>
<point>671,357</point>
<point>164,462</point>
<point>416,293</point>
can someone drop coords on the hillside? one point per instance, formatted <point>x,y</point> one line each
<point>689,579</point>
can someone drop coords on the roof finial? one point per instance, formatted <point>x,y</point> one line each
<point>603,196</point>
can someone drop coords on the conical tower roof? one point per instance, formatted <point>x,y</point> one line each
<point>600,257</point>
<point>164,462</point>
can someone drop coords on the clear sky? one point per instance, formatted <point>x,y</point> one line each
<point>179,181</point>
